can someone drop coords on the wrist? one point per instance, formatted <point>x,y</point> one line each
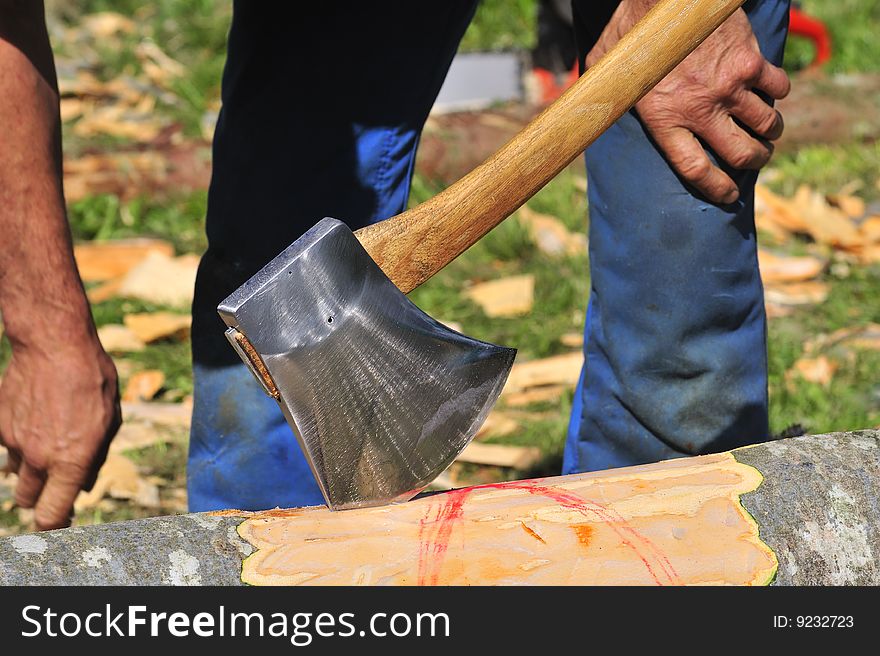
<point>50,323</point>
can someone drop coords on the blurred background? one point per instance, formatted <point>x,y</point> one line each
<point>140,86</point>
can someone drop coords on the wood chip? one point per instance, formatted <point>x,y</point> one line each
<point>558,370</point>
<point>808,213</point>
<point>550,234</point>
<point>534,395</point>
<point>158,66</point>
<point>160,414</point>
<point>162,279</point>
<point>453,325</point>
<point>859,337</point>
<point>778,311</point>
<point>119,339</point>
<point>505,297</point>
<point>104,260</point>
<point>775,215</point>
<point>852,206</point>
<point>120,121</point>
<point>869,254</point>
<point>152,326</point>
<point>72,108</point>
<point>776,268</point>
<point>826,224</point>
<point>870,229</point>
<point>104,291</point>
<point>521,458</point>
<point>867,339</point>
<point>144,385</point>
<point>104,24</point>
<point>119,479</point>
<point>797,293</point>
<point>121,174</point>
<point>138,435</point>
<point>120,90</point>
<point>497,424</point>
<point>814,370</point>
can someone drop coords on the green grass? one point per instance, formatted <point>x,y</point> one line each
<point>829,168</point>
<point>178,218</point>
<point>853,398</point>
<point>501,25</point>
<point>166,460</point>
<point>193,32</point>
<point>171,356</point>
<point>561,284</point>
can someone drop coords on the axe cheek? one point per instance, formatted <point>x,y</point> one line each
<point>380,396</point>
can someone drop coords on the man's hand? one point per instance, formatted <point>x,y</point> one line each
<point>59,398</point>
<point>710,98</point>
<point>59,409</point>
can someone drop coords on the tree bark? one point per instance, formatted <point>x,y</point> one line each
<point>801,511</point>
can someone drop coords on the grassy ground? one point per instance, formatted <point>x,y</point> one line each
<point>193,33</point>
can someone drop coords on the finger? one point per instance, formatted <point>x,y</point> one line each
<point>30,484</point>
<point>758,116</point>
<point>55,507</point>
<point>688,158</point>
<point>734,145</point>
<point>773,81</point>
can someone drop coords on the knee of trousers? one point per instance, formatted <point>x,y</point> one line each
<point>676,338</point>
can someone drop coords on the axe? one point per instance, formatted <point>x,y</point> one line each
<point>382,397</point>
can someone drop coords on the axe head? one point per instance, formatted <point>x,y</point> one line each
<point>380,396</point>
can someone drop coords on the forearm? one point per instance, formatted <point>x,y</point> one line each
<point>41,296</point>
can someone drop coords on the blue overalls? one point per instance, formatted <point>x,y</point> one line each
<point>322,111</point>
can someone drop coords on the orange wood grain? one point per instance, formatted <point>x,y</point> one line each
<point>678,522</point>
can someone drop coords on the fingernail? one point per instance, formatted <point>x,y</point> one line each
<point>731,196</point>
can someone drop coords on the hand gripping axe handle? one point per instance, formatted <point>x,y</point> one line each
<point>380,396</point>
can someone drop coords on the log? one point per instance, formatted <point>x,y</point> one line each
<point>801,511</point>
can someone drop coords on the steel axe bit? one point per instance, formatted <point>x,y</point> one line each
<point>380,396</point>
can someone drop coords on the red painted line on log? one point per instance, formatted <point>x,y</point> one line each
<point>433,549</point>
<point>613,519</point>
<point>435,533</point>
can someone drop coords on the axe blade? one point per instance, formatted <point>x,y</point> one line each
<point>381,397</point>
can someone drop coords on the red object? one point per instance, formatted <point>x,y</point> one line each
<point>550,86</point>
<point>801,24</point>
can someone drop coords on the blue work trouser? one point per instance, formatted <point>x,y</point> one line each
<point>675,354</point>
<point>322,110</point>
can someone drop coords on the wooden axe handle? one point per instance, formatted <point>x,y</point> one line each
<point>413,246</point>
